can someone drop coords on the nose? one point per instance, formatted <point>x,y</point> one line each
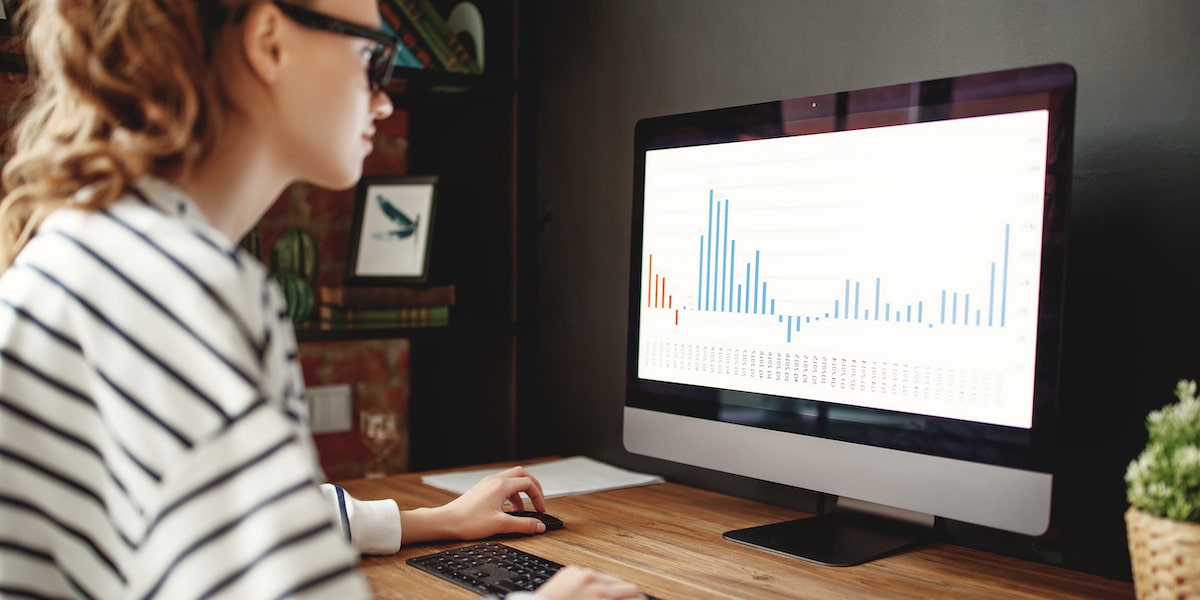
<point>381,105</point>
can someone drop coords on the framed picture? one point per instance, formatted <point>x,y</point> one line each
<point>7,8</point>
<point>393,225</point>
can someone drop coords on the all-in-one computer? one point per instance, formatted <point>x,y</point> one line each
<point>860,294</point>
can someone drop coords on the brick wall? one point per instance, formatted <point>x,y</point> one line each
<point>376,370</point>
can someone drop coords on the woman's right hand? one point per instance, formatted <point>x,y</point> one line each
<point>578,583</point>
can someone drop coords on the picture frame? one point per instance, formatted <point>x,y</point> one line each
<point>392,230</point>
<point>8,8</point>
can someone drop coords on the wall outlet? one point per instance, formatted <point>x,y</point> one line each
<point>329,408</point>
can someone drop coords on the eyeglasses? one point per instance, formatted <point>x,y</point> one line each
<point>379,71</point>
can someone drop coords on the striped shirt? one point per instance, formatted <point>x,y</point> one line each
<point>153,429</point>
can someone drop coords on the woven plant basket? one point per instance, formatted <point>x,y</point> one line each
<point>1165,555</point>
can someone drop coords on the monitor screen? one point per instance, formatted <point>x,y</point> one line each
<point>859,293</point>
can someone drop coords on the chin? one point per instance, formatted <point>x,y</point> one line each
<point>337,181</point>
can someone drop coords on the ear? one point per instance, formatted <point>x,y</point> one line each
<point>262,42</point>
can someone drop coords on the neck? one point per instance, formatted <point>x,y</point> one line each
<point>237,182</point>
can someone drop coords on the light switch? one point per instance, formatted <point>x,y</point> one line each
<point>329,408</point>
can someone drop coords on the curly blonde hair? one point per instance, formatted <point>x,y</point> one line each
<point>121,88</point>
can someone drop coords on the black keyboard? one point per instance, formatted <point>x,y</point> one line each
<point>489,568</point>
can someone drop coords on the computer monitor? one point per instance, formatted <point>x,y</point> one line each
<point>859,294</point>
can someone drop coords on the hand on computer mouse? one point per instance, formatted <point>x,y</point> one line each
<point>550,521</point>
<point>577,583</point>
<point>478,513</point>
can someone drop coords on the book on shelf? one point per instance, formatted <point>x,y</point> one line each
<point>407,316</point>
<point>385,296</point>
<point>406,16</point>
<point>409,40</point>
<point>433,30</point>
<point>404,54</point>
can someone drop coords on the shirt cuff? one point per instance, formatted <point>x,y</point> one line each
<point>374,525</point>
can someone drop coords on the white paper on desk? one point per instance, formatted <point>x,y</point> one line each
<point>563,477</point>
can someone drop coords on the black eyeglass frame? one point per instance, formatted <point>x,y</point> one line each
<point>382,55</point>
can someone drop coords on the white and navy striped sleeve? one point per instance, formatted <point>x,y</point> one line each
<point>371,526</point>
<point>153,442</point>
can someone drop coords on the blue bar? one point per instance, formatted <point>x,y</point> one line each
<point>977,317</point>
<point>846,309</point>
<point>725,251</point>
<point>897,316</point>
<point>876,298</point>
<point>835,310</point>
<point>764,297</point>
<point>790,327</point>
<point>920,311</point>
<point>1004,284</point>
<point>954,310</point>
<point>887,311</point>
<point>992,294</point>
<point>909,315</point>
<point>772,299</point>
<point>739,302</point>
<point>757,256</point>
<point>866,315</point>
<point>856,284</point>
<point>719,254</point>
<point>779,319</point>
<point>966,309</point>
<point>715,246</point>
<point>809,319</point>
<point>943,321</point>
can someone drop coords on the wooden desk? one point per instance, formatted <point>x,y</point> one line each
<point>667,539</point>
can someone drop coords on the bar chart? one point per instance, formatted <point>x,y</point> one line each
<point>721,288</point>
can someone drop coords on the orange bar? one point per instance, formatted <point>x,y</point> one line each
<point>662,291</point>
<point>677,316</point>
<point>670,301</point>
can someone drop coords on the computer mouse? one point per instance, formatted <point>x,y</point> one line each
<point>551,521</point>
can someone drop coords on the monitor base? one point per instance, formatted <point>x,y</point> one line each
<point>838,539</point>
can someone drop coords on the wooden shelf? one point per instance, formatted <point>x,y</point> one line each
<point>408,82</point>
<point>317,333</point>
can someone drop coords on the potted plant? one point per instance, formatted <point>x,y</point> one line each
<point>1163,489</point>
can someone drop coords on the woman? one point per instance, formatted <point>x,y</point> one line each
<point>153,436</point>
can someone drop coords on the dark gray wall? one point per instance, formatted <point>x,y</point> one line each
<point>597,66</point>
